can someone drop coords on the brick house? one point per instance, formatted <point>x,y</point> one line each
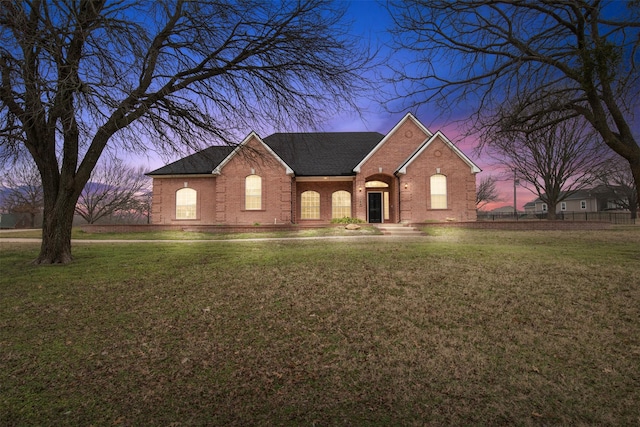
<point>409,175</point>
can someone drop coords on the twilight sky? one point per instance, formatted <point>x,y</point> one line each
<point>370,23</point>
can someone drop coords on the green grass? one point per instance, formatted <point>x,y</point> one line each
<point>464,327</point>
<point>78,234</point>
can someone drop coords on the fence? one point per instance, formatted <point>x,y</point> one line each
<point>612,217</point>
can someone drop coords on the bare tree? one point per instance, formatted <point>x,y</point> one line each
<point>22,190</point>
<point>575,57</point>
<point>78,77</point>
<point>141,206</point>
<point>552,162</point>
<point>114,187</point>
<point>487,192</point>
<point>616,176</point>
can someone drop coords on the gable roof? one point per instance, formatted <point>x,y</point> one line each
<point>305,154</point>
<point>403,169</point>
<point>408,116</point>
<point>323,153</point>
<point>202,162</point>
<point>219,167</point>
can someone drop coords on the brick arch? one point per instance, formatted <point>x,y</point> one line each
<point>387,179</point>
<point>390,196</point>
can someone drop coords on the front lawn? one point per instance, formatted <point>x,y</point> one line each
<point>464,327</point>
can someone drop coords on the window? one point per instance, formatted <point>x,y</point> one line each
<point>583,204</point>
<point>438,192</point>
<point>310,205</point>
<point>544,207</point>
<point>386,205</point>
<point>376,184</point>
<point>563,206</point>
<point>341,204</point>
<point>253,192</point>
<point>186,203</point>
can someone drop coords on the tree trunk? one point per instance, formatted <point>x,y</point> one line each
<point>56,234</point>
<point>635,171</point>
<point>551,212</point>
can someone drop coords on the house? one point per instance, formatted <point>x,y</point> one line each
<point>597,199</point>
<point>409,175</point>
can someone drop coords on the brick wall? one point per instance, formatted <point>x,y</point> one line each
<point>230,188</point>
<point>326,190</point>
<point>164,199</point>
<point>410,195</point>
<point>461,186</point>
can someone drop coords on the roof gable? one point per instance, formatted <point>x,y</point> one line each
<point>218,169</point>
<point>408,116</point>
<point>438,135</point>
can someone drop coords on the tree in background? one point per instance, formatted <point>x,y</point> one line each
<point>617,177</point>
<point>79,77</point>
<point>576,58</point>
<point>552,162</point>
<point>113,188</point>
<point>486,192</point>
<point>22,190</point>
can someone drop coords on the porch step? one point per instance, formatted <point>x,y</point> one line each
<point>393,229</point>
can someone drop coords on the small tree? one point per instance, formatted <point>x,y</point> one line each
<point>114,187</point>
<point>22,190</point>
<point>142,205</point>
<point>486,192</point>
<point>616,176</point>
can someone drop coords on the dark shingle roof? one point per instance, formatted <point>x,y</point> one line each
<point>323,153</point>
<point>308,154</point>
<point>202,162</point>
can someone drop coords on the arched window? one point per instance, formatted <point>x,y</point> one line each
<point>376,184</point>
<point>253,192</point>
<point>186,203</point>
<point>310,205</point>
<point>340,204</point>
<point>438,192</point>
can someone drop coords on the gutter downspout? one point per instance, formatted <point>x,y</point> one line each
<point>399,206</point>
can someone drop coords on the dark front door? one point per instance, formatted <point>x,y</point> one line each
<point>375,207</point>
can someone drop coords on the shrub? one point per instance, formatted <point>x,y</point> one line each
<point>346,220</point>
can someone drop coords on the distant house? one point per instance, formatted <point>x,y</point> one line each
<point>597,199</point>
<point>408,175</point>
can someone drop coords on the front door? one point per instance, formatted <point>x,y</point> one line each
<point>375,207</point>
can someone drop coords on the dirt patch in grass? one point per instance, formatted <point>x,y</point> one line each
<point>465,327</point>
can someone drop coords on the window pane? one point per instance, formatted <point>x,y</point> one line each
<point>438,192</point>
<point>310,205</point>
<point>186,203</point>
<point>376,184</point>
<point>386,205</point>
<point>253,193</point>
<point>341,204</point>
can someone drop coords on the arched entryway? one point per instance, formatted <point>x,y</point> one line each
<point>379,200</point>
